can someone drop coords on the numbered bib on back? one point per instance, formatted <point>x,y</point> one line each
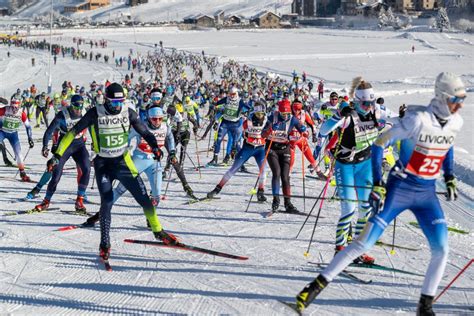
<point>432,144</point>
<point>231,111</point>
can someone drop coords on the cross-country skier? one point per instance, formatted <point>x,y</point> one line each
<point>110,126</point>
<point>280,123</point>
<point>64,121</point>
<point>427,138</point>
<point>11,118</point>
<point>254,146</point>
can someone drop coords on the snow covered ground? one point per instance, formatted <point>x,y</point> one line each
<point>47,272</point>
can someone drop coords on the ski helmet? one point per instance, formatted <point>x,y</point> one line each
<point>155,116</point>
<point>15,104</point>
<point>380,101</point>
<point>234,93</point>
<point>448,88</point>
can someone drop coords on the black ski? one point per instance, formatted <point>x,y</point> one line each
<point>375,267</point>
<point>384,244</point>
<point>204,199</point>
<point>182,246</point>
<point>344,273</point>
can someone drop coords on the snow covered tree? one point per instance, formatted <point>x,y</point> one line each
<point>442,20</point>
<point>382,18</point>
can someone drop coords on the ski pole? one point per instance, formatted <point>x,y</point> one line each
<point>455,278</point>
<point>338,146</point>
<point>167,184</point>
<point>392,251</point>
<point>309,214</point>
<point>333,198</point>
<point>259,174</point>
<point>24,160</point>
<point>302,173</point>
<point>197,155</point>
<point>208,145</point>
<point>189,157</point>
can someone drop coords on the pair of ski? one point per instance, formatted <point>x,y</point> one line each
<point>450,229</point>
<point>204,199</point>
<point>373,266</point>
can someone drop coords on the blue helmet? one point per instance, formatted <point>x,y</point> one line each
<point>77,102</point>
<point>155,112</point>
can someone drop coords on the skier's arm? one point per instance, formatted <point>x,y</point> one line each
<point>87,120</point>
<point>403,129</point>
<point>54,125</point>
<point>26,122</point>
<point>448,164</point>
<point>170,141</point>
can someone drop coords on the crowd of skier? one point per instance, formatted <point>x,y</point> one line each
<point>171,99</point>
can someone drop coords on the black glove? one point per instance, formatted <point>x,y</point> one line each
<point>346,112</point>
<point>173,158</point>
<point>401,110</point>
<point>45,151</point>
<point>324,107</point>
<point>31,143</point>
<point>451,190</point>
<point>195,129</point>
<point>215,126</point>
<point>158,153</point>
<point>314,137</point>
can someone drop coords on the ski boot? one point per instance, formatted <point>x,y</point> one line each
<point>213,162</point>
<point>90,222</point>
<point>33,193</point>
<point>243,169</point>
<point>275,203</point>
<point>364,259</point>
<point>155,201</point>
<point>8,163</point>
<point>289,207</point>
<point>309,293</point>
<point>189,191</point>
<point>104,252</point>
<point>166,238</point>
<point>43,206</point>
<point>24,177</point>
<point>260,196</point>
<point>80,208</point>
<point>214,192</point>
<point>311,169</point>
<point>425,306</point>
<point>338,249</point>
<point>226,159</point>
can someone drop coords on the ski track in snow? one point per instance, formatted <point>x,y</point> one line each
<point>48,272</point>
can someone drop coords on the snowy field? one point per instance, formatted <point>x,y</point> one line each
<point>47,272</point>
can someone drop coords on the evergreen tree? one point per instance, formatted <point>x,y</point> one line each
<point>382,18</point>
<point>442,20</point>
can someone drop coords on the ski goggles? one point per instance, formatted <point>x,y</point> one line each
<point>77,105</point>
<point>456,99</point>
<point>155,98</point>
<point>366,104</point>
<point>117,102</point>
<point>156,119</point>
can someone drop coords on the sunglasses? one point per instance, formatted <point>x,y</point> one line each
<point>77,105</point>
<point>367,103</point>
<point>156,119</point>
<point>334,99</point>
<point>455,99</point>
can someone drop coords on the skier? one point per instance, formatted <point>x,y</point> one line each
<point>64,121</point>
<point>143,155</point>
<point>110,128</point>
<point>427,138</point>
<point>42,103</point>
<point>280,123</point>
<point>11,119</point>
<point>253,147</point>
<point>357,130</point>
<point>232,109</point>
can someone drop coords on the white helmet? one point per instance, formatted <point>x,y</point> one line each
<point>447,85</point>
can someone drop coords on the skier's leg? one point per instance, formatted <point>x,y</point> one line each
<point>430,216</point>
<point>242,156</point>
<point>363,182</point>
<point>57,172</point>
<point>345,187</point>
<point>81,157</point>
<point>104,176</point>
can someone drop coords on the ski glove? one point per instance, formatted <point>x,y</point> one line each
<point>315,138</point>
<point>158,153</point>
<point>173,158</point>
<point>377,198</point>
<point>195,129</point>
<point>451,190</point>
<point>45,151</point>
<point>31,143</point>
